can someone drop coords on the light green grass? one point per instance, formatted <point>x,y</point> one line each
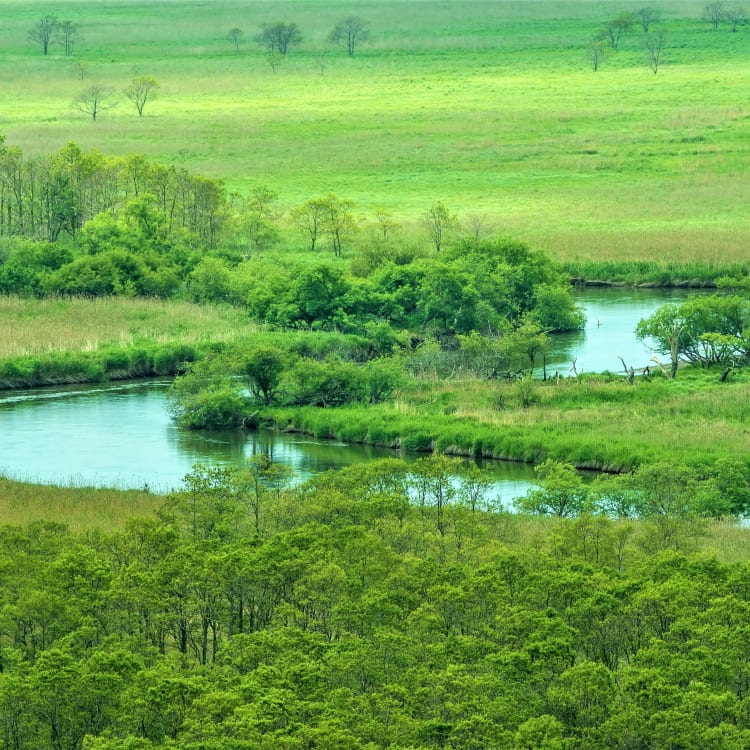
<point>79,508</point>
<point>32,326</point>
<point>489,107</point>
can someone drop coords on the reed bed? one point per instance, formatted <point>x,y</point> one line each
<point>43,326</point>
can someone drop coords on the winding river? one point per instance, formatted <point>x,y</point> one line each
<point>121,434</point>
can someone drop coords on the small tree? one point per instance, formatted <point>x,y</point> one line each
<point>234,36</point>
<point>279,37</point>
<point>647,16</point>
<point>715,13</point>
<point>736,17</point>
<point>597,51</point>
<point>338,221</point>
<point>349,32</point>
<point>95,100</point>
<point>310,218</point>
<point>263,368</point>
<point>141,89</point>
<point>67,33</point>
<point>562,491</point>
<point>43,31</point>
<point>654,48</point>
<point>439,221</point>
<point>618,27</point>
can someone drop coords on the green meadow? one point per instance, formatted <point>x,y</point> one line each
<point>491,108</point>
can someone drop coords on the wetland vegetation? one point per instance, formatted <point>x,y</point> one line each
<point>362,220</point>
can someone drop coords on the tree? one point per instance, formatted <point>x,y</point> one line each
<point>349,32</point>
<point>279,37</point>
<point>310,218</point>
<point>667,330</point>
<point>67,32</point>
<point>562,491</point>
<point>141,89</point>
<point>736,17</point>
<point>259,221</point>
<point>338,221</point>
<point>654,48</point>
<point>94,100</point>
<point>618,27</point>
<point>264,367</point>
<point>647,16</point>
<point>439,221</point>
<point>43,31</point>
<point>715,13</point>
<point>234,35</point>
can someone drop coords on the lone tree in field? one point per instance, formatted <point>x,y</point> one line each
<point>618,27</point>
<point>279,37</point>
<point>597,51</point>
<point>715,13</point>
<point>439,221</point>
<point>42,33</point>
<point>647,16</point>
<point>141,89</point>
<point>349,32</point>
<point>67,33</point>
<point>736,16</point>
<point>234,36</point>
<point>95,100</point>
<point>654,48</point>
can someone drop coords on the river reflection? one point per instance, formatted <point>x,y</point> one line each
<point>121,435</point>
<point>611,318</point>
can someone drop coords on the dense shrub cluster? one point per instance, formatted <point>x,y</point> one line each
<point>350,614</point>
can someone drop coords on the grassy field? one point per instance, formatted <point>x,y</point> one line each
<point>76,324</point>
<point>490,107</point>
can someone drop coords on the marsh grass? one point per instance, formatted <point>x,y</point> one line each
<point>79,508</point>
<point>42,326</point>
<point>591,422</point>
<point>490,108</point>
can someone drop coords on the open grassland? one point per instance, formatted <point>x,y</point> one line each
<point>489,107</point>
<point>32,326</point>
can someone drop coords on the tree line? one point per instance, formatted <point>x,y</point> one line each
<point>356,612</point>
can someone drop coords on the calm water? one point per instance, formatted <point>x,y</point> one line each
<point>121,434</point>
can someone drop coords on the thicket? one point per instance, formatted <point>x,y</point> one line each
<point>353,612</point>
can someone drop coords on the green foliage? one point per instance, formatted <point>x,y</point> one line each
<point>704,330</point>
<point>373,606</point>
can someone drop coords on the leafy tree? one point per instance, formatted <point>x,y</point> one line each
<point>562,491</point>
<point>279,37</point>
<point>264,367</point>
<point>94,100</point>
<point>439,221</point>
<point>338,221</point>
<point>349,33</point>
<point>140,91</point>
<point>42,33</point>
<point>310,218</point>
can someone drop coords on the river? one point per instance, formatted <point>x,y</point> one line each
<point>121,435</point>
